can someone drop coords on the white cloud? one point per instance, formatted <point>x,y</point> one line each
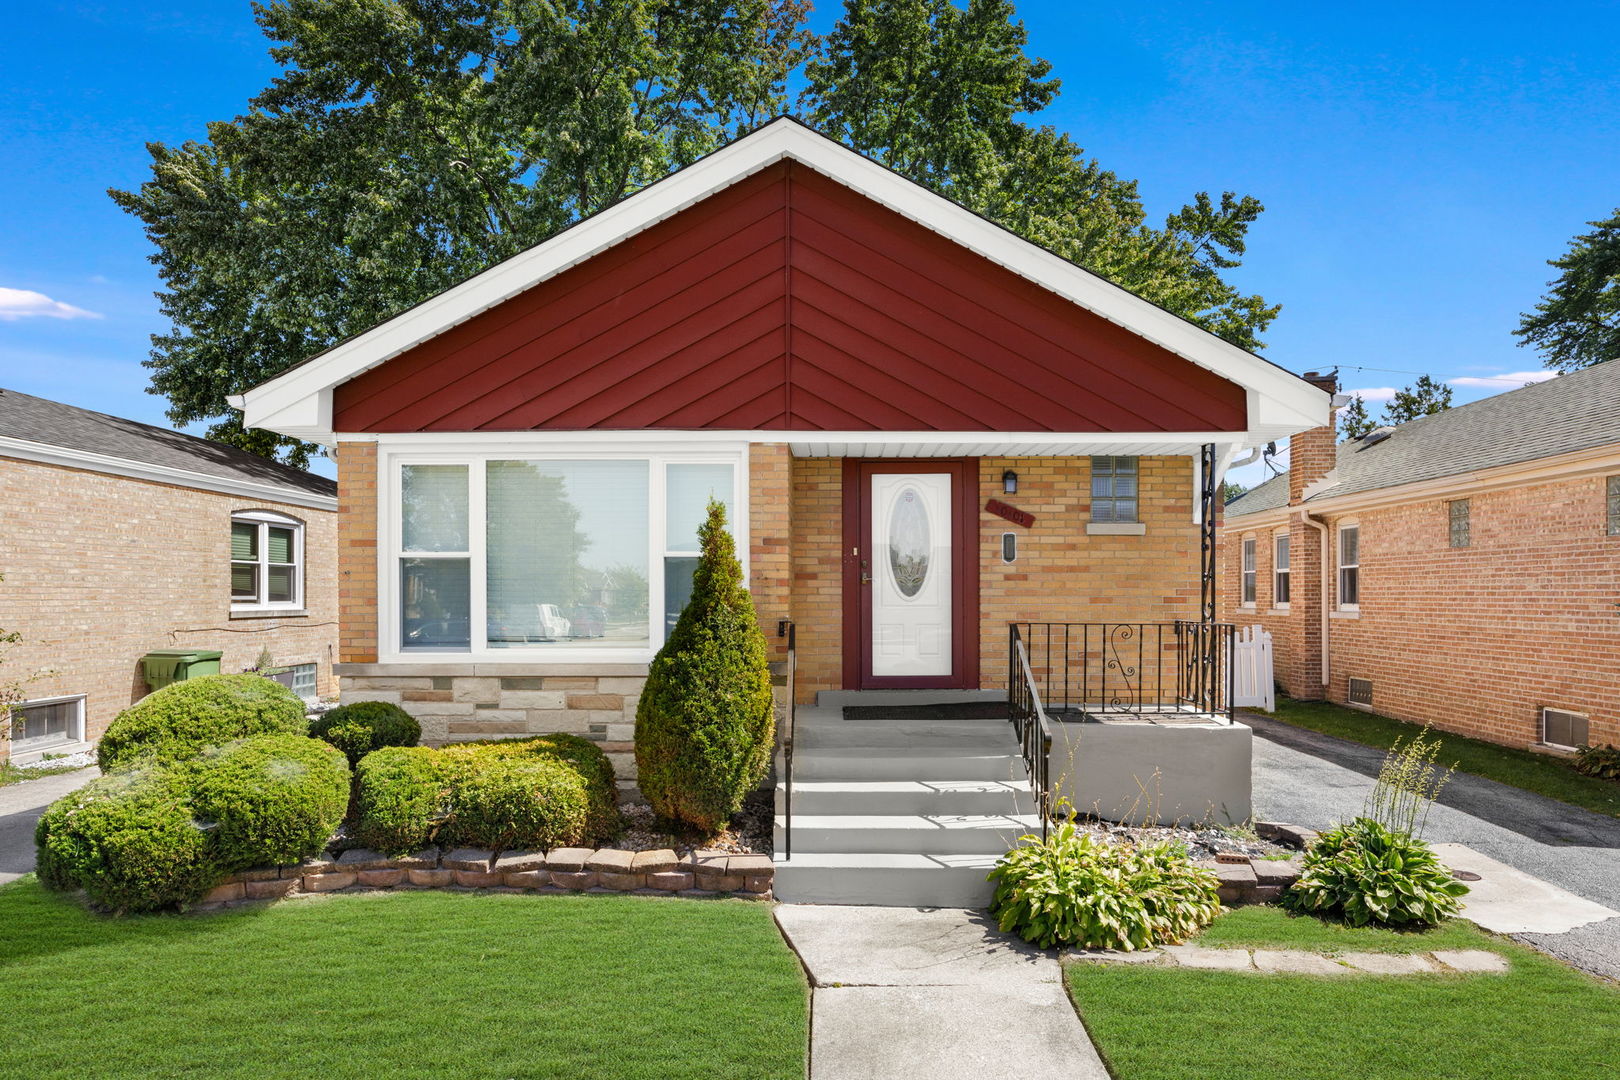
<point>1511,381</point>
<point>25,304</point>
<point>1372,394</point>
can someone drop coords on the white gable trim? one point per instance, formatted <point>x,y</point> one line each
<point>298,402</point>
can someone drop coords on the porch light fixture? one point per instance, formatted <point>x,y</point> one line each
<point>1009,482</point>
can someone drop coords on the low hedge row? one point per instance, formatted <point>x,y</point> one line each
<point>159,834</point>
<point>540,793</point>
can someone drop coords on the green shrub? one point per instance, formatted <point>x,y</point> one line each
<point>401,798</point>
<point>364,726</point>
<point>178,721</point>
<point>1076,889</point>
<point>585,757</point>
<point>1366,874</point>
<point>518,803</point>
<point>1602,762</point>
<point>270,800</point>
<point>705,722</point>
<point>130,840</point>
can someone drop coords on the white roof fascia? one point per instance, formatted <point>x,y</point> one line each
<point>1277,399</point>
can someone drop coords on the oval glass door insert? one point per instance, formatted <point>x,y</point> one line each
<point>909,542</point>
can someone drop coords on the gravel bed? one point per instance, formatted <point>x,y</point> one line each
<point>748,834</point>
<point>82,760</point>
<point>1202,843</point>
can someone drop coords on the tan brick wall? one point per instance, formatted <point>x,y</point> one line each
<point>1296,637</point>
<point>818,588</point>
<point>357,551</point>
<point>770,571</point>
<point>1476,640</point>
<point>101,569</point>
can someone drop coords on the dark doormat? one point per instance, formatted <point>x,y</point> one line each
<point>955,710</point>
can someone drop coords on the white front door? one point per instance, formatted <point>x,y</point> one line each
<point>911,574</point>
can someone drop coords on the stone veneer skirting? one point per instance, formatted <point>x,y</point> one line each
<point>658,873</point>
<point>462,702</point>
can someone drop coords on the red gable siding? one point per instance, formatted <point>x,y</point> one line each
<point>788,302</point>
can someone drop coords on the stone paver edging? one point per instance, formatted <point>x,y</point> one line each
<point>1302,962</point>
<point>658,873</point>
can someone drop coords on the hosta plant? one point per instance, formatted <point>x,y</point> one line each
<point>1602,762</point>
<point>1367,874</point>
<point>1074,888</point>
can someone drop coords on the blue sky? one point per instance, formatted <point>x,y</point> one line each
<point>1419,164</point>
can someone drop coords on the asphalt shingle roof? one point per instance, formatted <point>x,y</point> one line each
<point>40,420</point>
<point>1573,412</point>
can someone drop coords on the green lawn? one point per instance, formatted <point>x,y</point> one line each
<point>414,984</point>
<point>1543,774</point>
<point>1541,1021</point>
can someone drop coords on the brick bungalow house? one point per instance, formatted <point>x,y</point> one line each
<point>1463,568</point>
<point>121,538</point>
<point>924,426</point>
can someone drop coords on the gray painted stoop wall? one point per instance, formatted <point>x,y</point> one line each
<point>900,812</point>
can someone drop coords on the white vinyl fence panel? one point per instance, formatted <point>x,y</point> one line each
<point>1256,685</point>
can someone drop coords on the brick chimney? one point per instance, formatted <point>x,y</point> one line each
<point>1312,453</point>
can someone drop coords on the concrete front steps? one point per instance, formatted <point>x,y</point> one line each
<point>899,812</point>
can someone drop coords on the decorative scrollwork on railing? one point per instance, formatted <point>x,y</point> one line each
<point>1120,636</point>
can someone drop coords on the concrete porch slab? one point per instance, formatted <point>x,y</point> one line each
<point>1509,901</point>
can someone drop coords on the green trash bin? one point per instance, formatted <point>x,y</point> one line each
<point>160,667</point>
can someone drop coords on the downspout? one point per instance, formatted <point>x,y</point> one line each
<point>1322,586</point>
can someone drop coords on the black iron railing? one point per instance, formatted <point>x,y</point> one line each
<point>1153,671</point>
<point>1030,725</point>
<point>786,628</point>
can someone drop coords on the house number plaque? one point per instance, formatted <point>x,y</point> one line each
<point>1011,513</point>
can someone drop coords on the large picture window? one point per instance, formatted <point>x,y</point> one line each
<point>504,554</point>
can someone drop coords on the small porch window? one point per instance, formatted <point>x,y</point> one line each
<point>1280,583</point>
<point>1113,489</point>
<point>1350,568</point>
<point>1249,573</point>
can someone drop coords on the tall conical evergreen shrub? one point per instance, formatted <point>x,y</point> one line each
<point>705,725</point>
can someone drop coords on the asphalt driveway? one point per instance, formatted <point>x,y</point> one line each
<point>1312,779</point>
<point>20,806</point>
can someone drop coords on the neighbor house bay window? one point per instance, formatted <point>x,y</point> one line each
<point>515,553</point>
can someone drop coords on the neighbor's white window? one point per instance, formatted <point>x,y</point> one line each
<point>1113,489</point>
<point>1249,574</point>
<point>1350,567</point>
<point>40,725</point>
<point>267,561</point>
<point>503,553</point>
<point>1280,583</point>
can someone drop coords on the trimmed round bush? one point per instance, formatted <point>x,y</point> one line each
<point>532,803</point>
<point>270,800</point>
<point>177,722</point>
<point>706,718</point>
<point>1076,889</point>
<point>130,840</point>
<point>401,798</point>
<point>1366,874</point>
<point>364,726</point>
<point>602,820</point>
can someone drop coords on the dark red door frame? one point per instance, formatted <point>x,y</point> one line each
<point>964,573</point>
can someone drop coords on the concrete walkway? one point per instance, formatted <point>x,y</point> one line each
<point>1315,780</point>
<point>932,994</point>
<point>20,807</point>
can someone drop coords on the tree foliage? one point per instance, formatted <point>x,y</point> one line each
<point>1354,421</point>
<point>408,144</point>
<point>1425,397</point>
<point>1577,322</point>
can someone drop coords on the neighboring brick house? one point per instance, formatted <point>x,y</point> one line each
<point>1473,566</point>
<point>864,371</point>
<point>120,538</point>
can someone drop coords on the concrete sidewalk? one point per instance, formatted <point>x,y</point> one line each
<point>1315,780</point>
<point>20,807</point>
<point>932,994</point>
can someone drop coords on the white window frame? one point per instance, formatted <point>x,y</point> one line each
<point>474,452</point>
<point>1339,566</point>
<point>264,520</point>
<point>1541,726</point>
<point>1248,572</point>
<point>1278,571</point>
<point>20,749</point>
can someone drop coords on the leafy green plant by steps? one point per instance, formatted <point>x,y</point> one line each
<point>177,722</point>
<point>270,800</point>
<point>1602,762</point>
<point>1370,875</point>
<point>549,791</point>
<point>364,726</point>
<point>706,721</point>
<point>1076,889</point>
<point>1409,784</point>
